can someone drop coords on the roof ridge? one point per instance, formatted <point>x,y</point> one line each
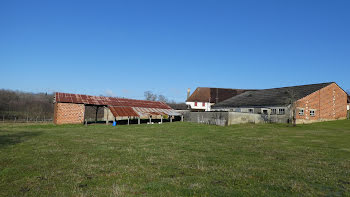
<point>226,88</point>
<point>272,96</point>
<point>297,86</point>
<point>110,97</point>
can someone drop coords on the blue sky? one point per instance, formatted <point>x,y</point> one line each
<point>124,48</point>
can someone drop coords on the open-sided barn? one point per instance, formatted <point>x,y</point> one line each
<point>70,108</point>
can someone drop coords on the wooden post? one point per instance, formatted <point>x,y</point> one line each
<point>85,122</point>
<point>128,120</point>
<point>138,121</point>
<point>27,118</point>
<point>171,118</point>
<point>161,119</point>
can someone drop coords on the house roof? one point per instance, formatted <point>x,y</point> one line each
<point>118,106</point>
<point>270,97</point>
<point>213,95</point>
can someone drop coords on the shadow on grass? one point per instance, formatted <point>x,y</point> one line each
<point>15,138</point>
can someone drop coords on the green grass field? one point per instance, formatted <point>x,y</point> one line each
<point>175,159</point>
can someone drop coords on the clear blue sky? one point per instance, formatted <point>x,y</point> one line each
<point>127,47</point>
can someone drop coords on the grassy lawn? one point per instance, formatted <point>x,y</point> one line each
<point>175,159</point>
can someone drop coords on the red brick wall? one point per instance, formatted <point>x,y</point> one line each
<point>329,103</point>
<point>69,113</point>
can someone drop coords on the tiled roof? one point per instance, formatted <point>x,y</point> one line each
<point>213,95</point>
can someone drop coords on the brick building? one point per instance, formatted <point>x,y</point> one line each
<point>305,104</point>
<point>70,108</point>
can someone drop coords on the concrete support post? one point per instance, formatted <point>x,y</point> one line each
<point>97,107</point>
<point>138,120</point>
<point>182,118</point>
<point>106,110</point>
<point>128,120</point>
<point>150,120</point>
<point>161,119</point>
<point>171,118</point>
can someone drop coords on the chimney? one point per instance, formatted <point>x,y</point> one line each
<point>188,92</point>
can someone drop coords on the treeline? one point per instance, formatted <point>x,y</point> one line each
<point>24,105</point>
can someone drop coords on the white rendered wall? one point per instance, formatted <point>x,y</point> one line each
<point>206,107</point>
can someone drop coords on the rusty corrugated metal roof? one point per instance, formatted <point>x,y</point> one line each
<point>122,111</point>
<point>110,101</point>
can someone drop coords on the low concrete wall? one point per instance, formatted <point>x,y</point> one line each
<point>215,118</point>
<point>228,118</point>
<point>239,118</point>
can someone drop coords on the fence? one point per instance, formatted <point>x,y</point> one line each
<point>15,119</point>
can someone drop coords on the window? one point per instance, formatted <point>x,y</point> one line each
<point>273,111</point>
<point>265,112</point>
<point>238,110</point>
<point>312,112</point>
<point>251,110</point>
<point>301,112</point>
<point>195,103</point>
<point>281,111</point>
<point>203,104</point>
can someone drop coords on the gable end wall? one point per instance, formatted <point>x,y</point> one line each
<point>68,113</point>
<point>329,103</point>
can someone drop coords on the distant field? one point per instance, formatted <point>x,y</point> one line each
<point>175,159</point>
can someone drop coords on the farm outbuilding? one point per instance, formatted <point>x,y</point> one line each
<point>70,108</point>
<point>301,104</point>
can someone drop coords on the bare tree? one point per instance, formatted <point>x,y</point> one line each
<point>150,96</point>
<point>162,98</point>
